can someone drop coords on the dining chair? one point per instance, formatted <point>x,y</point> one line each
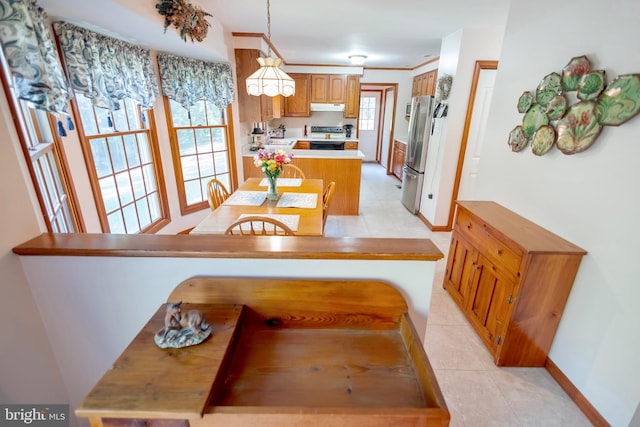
<point>256,225</point>
<point>218,193</point>
<point>326,199</point>
<point>292,171</point>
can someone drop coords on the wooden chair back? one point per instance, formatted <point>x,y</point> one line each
<point>292,171</point>
<point>259,226</point>
<point>218,193</point>
<point>326,199</point>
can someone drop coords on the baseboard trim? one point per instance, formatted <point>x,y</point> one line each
<point>432,227</point>
<point>578,398</point>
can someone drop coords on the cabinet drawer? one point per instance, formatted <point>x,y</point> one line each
<point>486,240</point>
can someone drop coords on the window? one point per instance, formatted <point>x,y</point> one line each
<point>121,152</point>
<point>367,112</point>
<point>201,151</point>
<point>47,165</point>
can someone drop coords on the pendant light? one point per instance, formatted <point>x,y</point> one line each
<point>270,80</point>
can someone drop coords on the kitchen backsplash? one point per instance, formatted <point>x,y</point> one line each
<point>295,125</point>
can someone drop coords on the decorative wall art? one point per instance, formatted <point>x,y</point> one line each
<point>443,86</point>
<point>188,19</point>
<point>549,119</point>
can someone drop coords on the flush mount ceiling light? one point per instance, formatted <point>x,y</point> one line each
<point>357,59</point>
<point>270,80</point>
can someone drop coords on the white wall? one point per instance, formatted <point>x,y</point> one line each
<point>404,79</point>
<point>28,372</point>
<point>589,198</point>
<point>458,56</point>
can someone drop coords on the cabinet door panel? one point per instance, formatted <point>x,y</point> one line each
<point>460,268</point>
<point>490,301</point>
<point>352,103</point>
<point>298,105</point>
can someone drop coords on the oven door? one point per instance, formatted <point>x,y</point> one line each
<point>327,145</point>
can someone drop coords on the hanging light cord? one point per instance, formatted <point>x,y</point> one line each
<point>269,28</point>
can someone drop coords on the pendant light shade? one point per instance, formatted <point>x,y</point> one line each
<point>270,80</point>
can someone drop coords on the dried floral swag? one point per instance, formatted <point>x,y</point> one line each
<point>188,19</point>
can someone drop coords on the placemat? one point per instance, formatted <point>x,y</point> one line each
<point>283,182</point>
<point>246,198</point>
<point>298,200</point>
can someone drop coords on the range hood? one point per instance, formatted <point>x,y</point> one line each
<point>327,107</point>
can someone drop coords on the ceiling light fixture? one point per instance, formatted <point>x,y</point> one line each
<point>357,59</point>
<point>270,80</point>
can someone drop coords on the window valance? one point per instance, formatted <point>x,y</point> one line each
<point>32,56</point>
<point>106,69</point>
<point>189,80</point>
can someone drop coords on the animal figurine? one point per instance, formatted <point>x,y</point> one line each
<point>192,319</point>
<point>182,329</point>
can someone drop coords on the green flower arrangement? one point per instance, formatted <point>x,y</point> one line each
<point>188,19</point>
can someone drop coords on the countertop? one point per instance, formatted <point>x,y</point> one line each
<point>306,154</point>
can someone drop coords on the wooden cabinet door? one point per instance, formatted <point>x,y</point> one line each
<point>399,155</point>
<point>489,302</point>
<point>253,108</point>
<point>319,87</point>
<point>352,103</point>
<point>415,88</point>
<point>337,86</point>
<point>249,107</point>
<point>459,271</point>
<point>429,83</point>
<point>298,105</point>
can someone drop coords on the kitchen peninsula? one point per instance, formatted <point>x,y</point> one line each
<point>342,166</point>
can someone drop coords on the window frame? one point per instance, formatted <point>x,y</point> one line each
<point>363,123</point>
<point>154,149</point>
<point>55,147</point>
<point>185,208</point>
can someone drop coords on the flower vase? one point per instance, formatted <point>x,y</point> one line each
<point>272,192</point>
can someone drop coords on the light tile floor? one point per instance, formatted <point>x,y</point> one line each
<point>477,392</point>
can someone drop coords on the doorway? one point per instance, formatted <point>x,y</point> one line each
<point>376,122</point>
<point>484,76</point>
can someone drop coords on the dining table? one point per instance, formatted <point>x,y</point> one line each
<point>299,206</point>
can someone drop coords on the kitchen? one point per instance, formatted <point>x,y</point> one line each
<point>316,124</point>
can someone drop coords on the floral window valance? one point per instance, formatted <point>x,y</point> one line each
<point>31,56</point>
<point>189,80</point>
<point>105,69</point>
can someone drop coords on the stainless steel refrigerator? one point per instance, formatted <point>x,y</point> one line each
<point>417,149</point>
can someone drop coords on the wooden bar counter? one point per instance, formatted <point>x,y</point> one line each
<point>283,352</point>
<point>344,167</point>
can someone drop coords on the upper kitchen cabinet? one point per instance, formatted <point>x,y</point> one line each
<point>254,108</point>
<point>425,84</point>
<point>352,104</point>
<point>298,105</point>
<point>328,88</point>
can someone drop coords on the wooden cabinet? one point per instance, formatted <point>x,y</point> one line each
<point>425,84</point>
<point>298,105</point>
<point>328,88</point>
<point>352,102</point>
<point>253,108</point>
<point>399,155</point>
<point>511,278</point>
<point>351,145</point>
<point>303,145</point>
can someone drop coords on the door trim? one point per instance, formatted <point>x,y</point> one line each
<point>384,88</point>
<point>480,65</point>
